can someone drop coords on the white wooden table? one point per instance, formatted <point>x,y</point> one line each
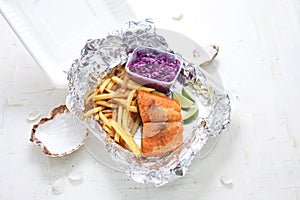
<point>259,62</point>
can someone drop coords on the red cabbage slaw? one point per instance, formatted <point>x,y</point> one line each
<point>154,64</point>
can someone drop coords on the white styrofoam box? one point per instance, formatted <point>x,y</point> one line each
<point>54,31</point>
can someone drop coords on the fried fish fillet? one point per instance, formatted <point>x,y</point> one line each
<point>161,137</point>
<point>162,124</point>
<point>155,108</point>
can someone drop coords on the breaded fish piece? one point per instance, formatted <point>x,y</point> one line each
<point>162,124</point>
<point>161,138</point>
<point>155,108</point>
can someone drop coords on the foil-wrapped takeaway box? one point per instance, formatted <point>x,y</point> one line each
<point>100,56</point>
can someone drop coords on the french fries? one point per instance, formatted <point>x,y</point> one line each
<point>104,84</point>
<point>93,111</point>
<point>127,138</point>
<point>112,103</point>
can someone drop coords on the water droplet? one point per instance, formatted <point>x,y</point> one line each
<point>177,17</point>
<point>226,181</point>
<point>76,176</point>
<point>33,115</point>
<point>58,186</point>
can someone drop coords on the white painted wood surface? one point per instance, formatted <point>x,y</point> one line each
<point>259,154</point>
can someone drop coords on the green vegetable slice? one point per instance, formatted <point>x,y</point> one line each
<point>188,94</point>
<point>184,102</point>
<point>191,115</point>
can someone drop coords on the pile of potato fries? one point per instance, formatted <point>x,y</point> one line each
<point>112,103</point>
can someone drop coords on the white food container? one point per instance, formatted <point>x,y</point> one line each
<point>54,31</point>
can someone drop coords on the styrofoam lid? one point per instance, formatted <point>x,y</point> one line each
<point>54,31</point>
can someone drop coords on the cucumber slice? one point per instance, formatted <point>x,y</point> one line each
<point>184,102</point>
<point>191,115</point>
<point>188,94</point>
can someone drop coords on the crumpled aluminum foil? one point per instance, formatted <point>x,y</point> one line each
<point>99,56</point>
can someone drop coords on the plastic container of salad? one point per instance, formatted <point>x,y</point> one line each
<point>154,68</point>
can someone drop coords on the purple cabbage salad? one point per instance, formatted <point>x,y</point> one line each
<point>155,64</point>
